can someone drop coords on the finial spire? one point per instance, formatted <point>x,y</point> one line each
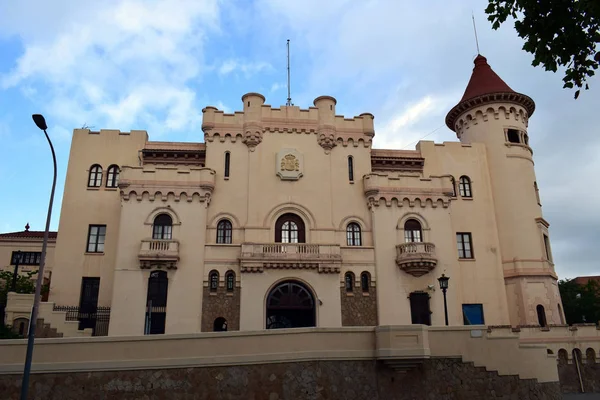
<point>289,98</point>
<point>27,227</point>
<point>475,30</point>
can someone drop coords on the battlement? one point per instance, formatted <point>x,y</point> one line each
<point>105,132</point>
<point>258,118</point>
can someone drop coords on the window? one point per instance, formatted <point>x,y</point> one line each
<point>365,280</point>
<point>289,228</point>
<point>95,178</point>
<point>560,315</point>
<point>230,280</point>
<point>96,236</point>
<point>453,181</point>
<point>112,176</point>
<point>547,247</point>
<point>464,245</point>
<point>350,169</point>
<point>526,139</point>
<point>213,281</point>
<point>513,136</point>
<point>473,314</point>
<point>353,234</point>
<point>227,159</point>
<point>162,227</point>
<point>349,282</point>
<point>224,232</point>
<point>412,231</point>
<point>464,186</point>
<point>541,313</point>
<point>220,325</point>
<point>537,193</point>
<point>26,257</point>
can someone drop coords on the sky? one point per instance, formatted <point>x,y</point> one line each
<point>154,64</point>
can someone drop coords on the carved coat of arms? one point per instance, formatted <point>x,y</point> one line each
<point>290,164</point>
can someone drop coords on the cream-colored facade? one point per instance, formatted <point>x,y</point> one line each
<point>289,200</point>
<point>29,244</point>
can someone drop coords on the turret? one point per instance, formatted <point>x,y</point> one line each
<point>326,128</point>
<point>490,112</point>
<point>252,119</point>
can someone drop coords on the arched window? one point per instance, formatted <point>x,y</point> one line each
<point>163,227</point>
<point>513,136</point>
<point>453,181</point>
<point>290,305</point>
<point>224,231</point>
<point>365,281</point>
<point>563,357</point>
<point>541,315</point>
<point>464,186</point>
<point>289,228</point>
<point>95,178</point>
<point>537,193</point>
<point>577,359</point>
<point>412,231</point>
<point>230,280</point>
<point>227,160</point>
<point>112,176</point>
<point>350,169</point>
<point>590,356</point>
<point>353,234</point>
<point>349,282</point>
<point>213,280</point>
<point>220,325</point>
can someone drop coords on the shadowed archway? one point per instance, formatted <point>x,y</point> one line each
<point>290,304</point>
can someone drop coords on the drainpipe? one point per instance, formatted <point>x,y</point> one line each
<point>578,371</point>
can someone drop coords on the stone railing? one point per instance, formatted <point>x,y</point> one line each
<point>157,252</point>
<point>324,257</point>
<point>416,258</point>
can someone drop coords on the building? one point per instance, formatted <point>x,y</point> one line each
<point>287,217</point>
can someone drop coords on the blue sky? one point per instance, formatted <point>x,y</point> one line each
<point>154,65</point>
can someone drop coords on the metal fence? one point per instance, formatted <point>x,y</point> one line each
<point>97,319</point>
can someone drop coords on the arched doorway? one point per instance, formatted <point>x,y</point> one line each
<point>156,303</point>
<point>290,304</point>
<point>220,325</point>
<point>289,228</point>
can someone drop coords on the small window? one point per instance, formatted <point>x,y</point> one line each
<point>213,281</point>
<point>353,234</point>
<point>163,227</point>
<point>365,281</point>
<point>526,139</point>
<point>464,245</point>
<point>541,313</point>
<point>537,193</point>
<point>473,314</point>
<point>26,258</point>
<point>224,232</point>
<point>349,281</point>
<point>96,237</point>
<point>95,177</point>
<point>563,357</point>
<point>513,136</point>
<point>560,315</point>
<point>453,186</point>
<point>547,247</point>
<point>220,325</point>
<point>412,231</point>
<point>112,176</point>
<point>464,186</point>
<point>227,159</point>
<point>350,169</point>
<point>230,280</point>
<point>590,356</point>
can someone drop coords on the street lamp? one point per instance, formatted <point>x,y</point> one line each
<point>40,123</point>
<point>17,261</point>
<point>443,280</point>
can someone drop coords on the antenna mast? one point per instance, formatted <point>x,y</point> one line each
<point>289,98</point>
<point>475,30</point>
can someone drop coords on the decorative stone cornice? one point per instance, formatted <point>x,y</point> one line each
<point>326,137</point>
<point>407,190</point>
<point>253,132</point>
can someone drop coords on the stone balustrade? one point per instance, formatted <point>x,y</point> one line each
<point>157,252</point>
<point>257,256</point>
<point>416,258</point>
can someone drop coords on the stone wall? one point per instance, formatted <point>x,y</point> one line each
<point>221,304</point>
<point>358,308</point>
<point>569,379</point>
<point>434,379</point>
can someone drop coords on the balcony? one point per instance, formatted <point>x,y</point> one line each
<point>325,258</point>
<point>156,253</point>
<point>416,258</point>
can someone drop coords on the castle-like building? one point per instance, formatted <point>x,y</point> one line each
<point>287,217</point>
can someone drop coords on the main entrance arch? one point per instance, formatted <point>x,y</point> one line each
<point>290,304</point>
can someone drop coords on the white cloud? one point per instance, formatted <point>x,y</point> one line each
<point>246,68</point>
<point>122,64</point>
<point>277,86</point>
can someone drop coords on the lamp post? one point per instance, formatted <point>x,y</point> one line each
<point>40,123</point>
<point>443,280</point>
<point>17,260</point>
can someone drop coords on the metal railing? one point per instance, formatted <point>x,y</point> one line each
<point>98,320</point>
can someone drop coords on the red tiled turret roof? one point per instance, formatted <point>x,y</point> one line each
<point>27,234</point>
<point>484,81</point>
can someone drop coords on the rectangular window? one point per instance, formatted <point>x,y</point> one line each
<point>464,245</point>
<point>96,235</point>
<point>547,247</point>
<point>473,314</point>
<point>227,160</point>
<point>26,258</point>
<point>350,169</point>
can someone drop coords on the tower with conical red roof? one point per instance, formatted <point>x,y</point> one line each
<point>490,112</point>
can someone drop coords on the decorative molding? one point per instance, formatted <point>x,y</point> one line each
<point>477,115</point>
